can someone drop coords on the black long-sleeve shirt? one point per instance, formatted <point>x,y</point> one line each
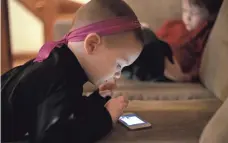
<point>44,101</point>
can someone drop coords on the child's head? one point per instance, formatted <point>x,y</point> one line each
<point>103,57</point>
<point>197,11</point>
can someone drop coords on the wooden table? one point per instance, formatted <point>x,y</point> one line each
<point>167,127</point>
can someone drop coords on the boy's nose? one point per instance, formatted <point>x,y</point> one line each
<point>188,17</point>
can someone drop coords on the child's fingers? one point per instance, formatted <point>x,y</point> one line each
<point>123,99</point>
<point>125,105</point>
<point>126,99</point>
<point>111,85</point>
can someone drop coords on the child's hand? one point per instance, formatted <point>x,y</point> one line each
<point>174,72</point>
<point>116,106</point>
<point>106,88</point>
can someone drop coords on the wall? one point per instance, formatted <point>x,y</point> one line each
<point>155,12</point>
<point>26,30</point>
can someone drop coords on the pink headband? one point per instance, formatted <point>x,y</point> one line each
<point>106,27</point>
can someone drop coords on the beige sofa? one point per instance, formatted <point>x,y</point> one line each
<point>172,107</point>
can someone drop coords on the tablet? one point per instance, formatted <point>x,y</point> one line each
<point>133,121</point>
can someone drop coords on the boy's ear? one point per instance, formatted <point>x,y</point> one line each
<point>91,43</point>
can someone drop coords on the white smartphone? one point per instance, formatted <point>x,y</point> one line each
<point>133,122</point>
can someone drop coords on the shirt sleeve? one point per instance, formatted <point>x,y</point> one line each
<point>90,121</point>
<point>194,73</point>
<point>162,31</point>
<point>96,97</point>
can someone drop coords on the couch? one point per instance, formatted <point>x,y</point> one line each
<point>180,112</point>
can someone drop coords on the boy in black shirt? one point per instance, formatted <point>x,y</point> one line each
<point>42,99</point>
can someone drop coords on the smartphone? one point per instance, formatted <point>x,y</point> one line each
<point>133,122</point>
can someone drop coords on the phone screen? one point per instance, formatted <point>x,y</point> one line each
<point>131,119</point>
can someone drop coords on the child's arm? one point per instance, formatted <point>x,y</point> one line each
<point>174,72</point>
<point>91,120</point>
<point>104,93</point>
<point>162,31</point>
<point>194,73</point>
<point>97,97</point>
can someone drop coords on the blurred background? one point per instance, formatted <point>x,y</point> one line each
<point>27,24</point>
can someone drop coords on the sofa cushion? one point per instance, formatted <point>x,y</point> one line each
<point>136,90</point>
<point>217,129</point>
<point>214,68</point>
<point>164,94</point>
<point>209,105</point>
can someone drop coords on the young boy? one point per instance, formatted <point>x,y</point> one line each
<point>187,37</point>
<point>42,100</point>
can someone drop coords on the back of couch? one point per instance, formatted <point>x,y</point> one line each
<point>214,69</point>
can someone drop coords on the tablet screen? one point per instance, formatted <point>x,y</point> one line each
<point>131,119</point>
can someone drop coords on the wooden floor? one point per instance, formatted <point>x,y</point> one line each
<point>167,127</point>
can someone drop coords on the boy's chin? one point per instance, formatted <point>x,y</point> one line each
<point>189,28</point>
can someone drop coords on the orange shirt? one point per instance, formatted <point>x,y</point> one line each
<point>187,46</point>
